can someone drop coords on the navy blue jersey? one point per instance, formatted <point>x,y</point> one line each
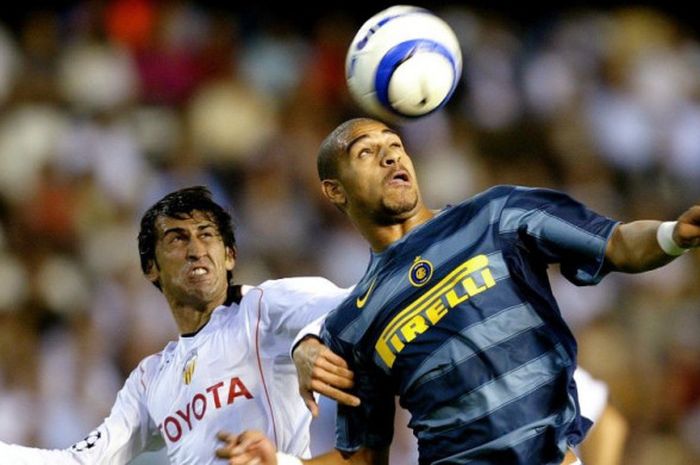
<point>458,319</point>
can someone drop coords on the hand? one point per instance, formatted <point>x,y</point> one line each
<point>247,448</point>
<point>687,231</point>
<point>320,370</point>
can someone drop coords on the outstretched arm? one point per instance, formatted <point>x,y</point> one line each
<point>124,434</point>
<point>637,246</point>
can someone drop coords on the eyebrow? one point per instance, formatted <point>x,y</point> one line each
<point>349,145</point>
<point>178,229</point>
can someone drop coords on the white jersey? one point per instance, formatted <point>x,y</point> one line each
<point>592,394</point>
<point>234,374</point>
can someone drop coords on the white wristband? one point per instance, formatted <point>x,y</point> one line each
<point>286,459</point>
<point>664,236</point>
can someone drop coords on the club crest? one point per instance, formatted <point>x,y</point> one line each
<point>420,272</point>
<point>188,371</point>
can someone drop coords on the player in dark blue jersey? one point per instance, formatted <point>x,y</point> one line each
<point>455,314</point>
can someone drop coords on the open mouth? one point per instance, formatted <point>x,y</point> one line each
<point>198,271</point>
<point>399,177</point>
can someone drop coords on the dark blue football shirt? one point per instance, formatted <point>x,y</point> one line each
<point>458,319</point>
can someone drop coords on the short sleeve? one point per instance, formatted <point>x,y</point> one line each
<point>293,303</point>
<point>558,229</point>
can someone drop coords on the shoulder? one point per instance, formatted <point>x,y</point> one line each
<point>279,288</point>
<point>515,194</point>
<point>154,361</point>
<point>498,191</point>
<point>487,205</point>
<point>536,197</point>
<point>282,296</point>
<point>151,365</point>
<point>499,194</point>
<point>513,200</point>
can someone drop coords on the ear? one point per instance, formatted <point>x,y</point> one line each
<point>333,191</point>
<point>230,261</point>
<point>153,273</point>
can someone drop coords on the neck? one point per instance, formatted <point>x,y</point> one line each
<point>191,318</point>
<point>381,236</point>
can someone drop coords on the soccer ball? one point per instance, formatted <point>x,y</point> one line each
<point>404,63</point>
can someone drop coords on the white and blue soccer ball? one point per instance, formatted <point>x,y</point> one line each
<point>404,63</point>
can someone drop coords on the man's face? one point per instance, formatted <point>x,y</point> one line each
<point>377,174</point>
<point>191,261</point>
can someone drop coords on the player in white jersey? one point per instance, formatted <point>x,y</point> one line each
<point>229,370</point>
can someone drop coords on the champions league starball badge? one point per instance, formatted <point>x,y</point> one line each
<point>87,443</point>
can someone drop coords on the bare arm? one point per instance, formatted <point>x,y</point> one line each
<point>253,447</point>
<point>634,248</point>
<point>320,370</point>
<point>605,443</point>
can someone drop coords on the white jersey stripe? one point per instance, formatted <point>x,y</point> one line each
<point>262,374</point>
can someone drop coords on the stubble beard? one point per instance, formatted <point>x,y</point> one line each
<point>199,297</point>
<point>396,209</point>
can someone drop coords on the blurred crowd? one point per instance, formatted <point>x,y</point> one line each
<point>109,105</point>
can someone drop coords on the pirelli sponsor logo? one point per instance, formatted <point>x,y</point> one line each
<point>467,280</point>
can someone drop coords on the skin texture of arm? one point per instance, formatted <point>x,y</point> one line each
<point>605,443</point>
<point>633,247</point>
<point>320,370</point>
<point>253,448</point>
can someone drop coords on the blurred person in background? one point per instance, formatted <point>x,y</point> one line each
<point>230,367</point>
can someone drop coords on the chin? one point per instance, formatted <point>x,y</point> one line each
<point>400,208</point>
<point>390,216</point>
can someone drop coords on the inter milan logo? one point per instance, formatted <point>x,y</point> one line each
<point>188,371</point>
<point>420,273</point>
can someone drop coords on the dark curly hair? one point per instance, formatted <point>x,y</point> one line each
<point>181,204</point>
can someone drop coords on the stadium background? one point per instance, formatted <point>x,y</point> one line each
<point>106,106</point>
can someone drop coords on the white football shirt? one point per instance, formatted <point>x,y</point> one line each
<point>234,374</point>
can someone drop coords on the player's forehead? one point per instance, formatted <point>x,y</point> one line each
<point>193,220</point>
<point>365,130</point>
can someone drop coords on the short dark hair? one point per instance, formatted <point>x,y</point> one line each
<point>332,145</point>
<point>182,204</point>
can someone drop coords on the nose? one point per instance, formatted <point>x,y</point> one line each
<point>195,248</point>
<point>390,157</point>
